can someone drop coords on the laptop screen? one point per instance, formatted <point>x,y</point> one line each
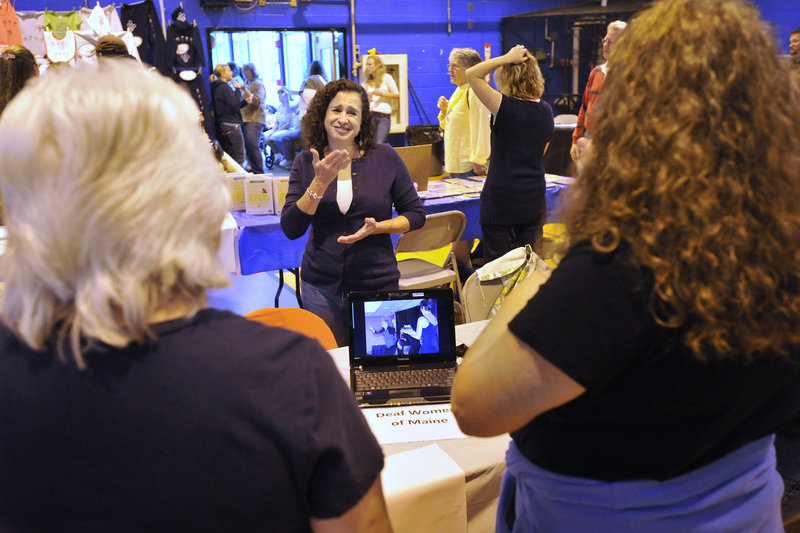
<point>401,326</point>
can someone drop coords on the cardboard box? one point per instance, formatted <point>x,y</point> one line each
<point>280,186</point>
<point>258,194</point>
<point>235,183</point>
<point>417,159</point>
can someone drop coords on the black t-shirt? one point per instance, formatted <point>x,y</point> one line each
<point>515,186</point>
<point>650,410</point>
<point>227,103</point>
<point>221,424</point>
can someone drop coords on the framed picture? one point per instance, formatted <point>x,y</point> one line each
<point>397,67</point>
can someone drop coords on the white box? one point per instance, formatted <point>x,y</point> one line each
<point>258,194</point>
<point>280,186</point>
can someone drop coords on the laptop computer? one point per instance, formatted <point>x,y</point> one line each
<point>402,346</point>
<point>418,162</point>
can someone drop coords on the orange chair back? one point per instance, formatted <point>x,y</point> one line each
<point>296,319</point>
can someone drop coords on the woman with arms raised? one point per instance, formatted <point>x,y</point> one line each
<point>344,187</point>
<point>513,208</point>
<point>644,381</point>
<point>126,404</point>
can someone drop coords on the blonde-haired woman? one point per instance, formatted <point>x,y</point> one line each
<point>643,382</point>
<point>228,104</point>
<point>522,127</point>
<point>382,91</point>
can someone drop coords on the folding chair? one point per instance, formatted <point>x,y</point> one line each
<point>478,297</point>
<point>440,230</point>
<point>296,319</point>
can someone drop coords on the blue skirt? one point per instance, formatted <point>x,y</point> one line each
<point>739,492</point>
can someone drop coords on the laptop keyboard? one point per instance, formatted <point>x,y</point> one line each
<point>399,379</point>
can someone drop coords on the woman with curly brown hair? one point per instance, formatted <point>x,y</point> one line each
<point>644,381</point>
<point>344,187</point>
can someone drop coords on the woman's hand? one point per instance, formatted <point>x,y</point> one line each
<point>518,54</point>
<point>326,169</point>
<point>479,170</point>
<point>442,103</point>
<point>369,227</point>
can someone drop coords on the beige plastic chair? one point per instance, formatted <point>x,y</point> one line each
<point>478,297</point>
<point>440,230</point>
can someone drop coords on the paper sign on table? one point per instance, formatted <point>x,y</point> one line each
<point>235,183</point>
<point>280,186</point>
<point>412,423</point>
<point>425,490</point>
<point>258,195</point>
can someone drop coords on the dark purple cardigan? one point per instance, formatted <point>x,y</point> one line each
<point>380,181</point>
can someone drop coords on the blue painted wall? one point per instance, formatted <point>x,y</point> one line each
<point>417,28</point>
<point>784,16</point>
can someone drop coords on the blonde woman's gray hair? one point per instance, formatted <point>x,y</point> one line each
<point>466,57</point>
<point>113,208</point>
<point>618,25</point>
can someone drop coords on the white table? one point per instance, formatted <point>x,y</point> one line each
<point>227,254</point>
<point>482,460</point>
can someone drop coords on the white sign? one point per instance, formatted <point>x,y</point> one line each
<point>391,425</point>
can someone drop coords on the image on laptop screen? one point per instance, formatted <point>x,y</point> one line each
<point>403,323</point>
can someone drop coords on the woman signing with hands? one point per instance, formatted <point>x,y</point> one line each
<point>345,187</point>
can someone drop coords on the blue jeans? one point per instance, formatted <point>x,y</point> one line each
<point>462,174</point>
<point>382,125</point>
<point>331,308</point>
<point>787,455</point>
<point>252,139</point>
<point>281,141</point>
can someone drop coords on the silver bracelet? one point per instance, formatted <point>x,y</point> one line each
<point>313,195</point>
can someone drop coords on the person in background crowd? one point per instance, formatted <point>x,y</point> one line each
<point>236,75</point>
<point>314,82</point>
<point>254,117</point>
<point>382,91</point>
<point>128,405</point>
<point>227,111</point>
<point>465,120</point>
<point>225,162</point>
<point>794,43</point>
<point>593,91</point>
<point>642,384</point>
<point>521,129</point>
<point>794,57</point>
<point>111,46</point>
<point>17,66</point>
<point>345,187</point>
<point>287,129</point>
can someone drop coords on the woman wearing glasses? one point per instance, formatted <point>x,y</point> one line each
<point>594,87</point>
<point>465,120</point>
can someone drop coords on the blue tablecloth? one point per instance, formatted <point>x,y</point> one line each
<point>263,246</point>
